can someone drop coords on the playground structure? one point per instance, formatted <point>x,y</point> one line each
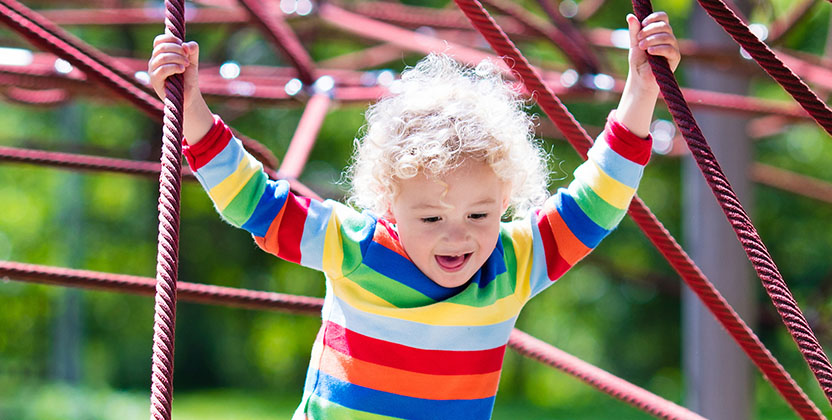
<point>39,83</point>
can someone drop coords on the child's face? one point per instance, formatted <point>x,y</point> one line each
<point>449,225</point>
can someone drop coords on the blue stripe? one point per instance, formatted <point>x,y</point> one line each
<point>616,166</point>
<point>272,200</point>
<point>223,164</point>
<point>578,222</point>
<point>387,404</point>
<point>493,267</point>
<point>419,335</point>
<point>314,234</point>
<point>391,264</point>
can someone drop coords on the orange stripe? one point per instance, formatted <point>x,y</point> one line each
<point>571,248</point>
<point>271,242</point>
<point>384,237</point>
<point>410,384</point>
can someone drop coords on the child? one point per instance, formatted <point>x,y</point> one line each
<point>424,286</point>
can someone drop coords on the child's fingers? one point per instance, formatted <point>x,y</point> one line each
<point>167,59</point>
<point>654,28</point>
<point>165,38</point>
<point>655,17</point>
<point>657,39</point>
<point>633,27</point>
<point>191,50</point>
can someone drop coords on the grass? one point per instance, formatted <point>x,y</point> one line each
<point>61,402</point>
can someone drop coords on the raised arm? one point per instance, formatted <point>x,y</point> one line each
<point>574,221</point>
<point>169,58</point>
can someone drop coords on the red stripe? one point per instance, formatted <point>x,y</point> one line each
<point>436,362</point>
<point>550,247</point>
<point>627,144</point>
<point>291,228</point>
<point>209,146</point>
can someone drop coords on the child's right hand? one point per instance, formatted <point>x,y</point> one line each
<point>169,58</point>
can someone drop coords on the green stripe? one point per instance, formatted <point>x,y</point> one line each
<point>392,291</point>
<point>319,408</point>
<point>242,205</point>
<point>503,285</point>
<point>351,233</point>
<point>602,213</point>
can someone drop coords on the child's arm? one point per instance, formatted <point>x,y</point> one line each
<point>169,58</point>
<point>652,36</point>
<point>574,220</point>
<point>294,228</point>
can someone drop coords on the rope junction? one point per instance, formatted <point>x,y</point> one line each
<point>29,84</point>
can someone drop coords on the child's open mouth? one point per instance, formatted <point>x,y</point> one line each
<point>452,262</point>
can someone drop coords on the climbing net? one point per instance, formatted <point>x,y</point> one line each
<point>38,83</point>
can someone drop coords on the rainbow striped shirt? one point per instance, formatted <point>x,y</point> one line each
<point>393,344</point>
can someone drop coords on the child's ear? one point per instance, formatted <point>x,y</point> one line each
<point>388,214</point>
<point>506,202</point>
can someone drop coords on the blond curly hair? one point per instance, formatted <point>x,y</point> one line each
<point>440,114</point>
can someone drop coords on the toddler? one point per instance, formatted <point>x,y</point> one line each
<point>423,286</point>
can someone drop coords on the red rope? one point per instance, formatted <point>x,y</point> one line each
<point>87,163</point>
<point>792,182</point>
<point>604,381</point>
<point>521,342</point>
<point>305,134</point>
<point>660,237</point>
<point>23,21</point>
<point>97,56</point>
<point>167,259</point>
<point>283,38</point>
<point>124,166</point>
<point>757,253</point>
<point>760,52</point>
<point>581,57</point>
<point>37,97</point>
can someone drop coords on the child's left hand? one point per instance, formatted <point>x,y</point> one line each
<point>652,36</point>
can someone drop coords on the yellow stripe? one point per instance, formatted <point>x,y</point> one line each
<point>333,254</point>
<point>522,239</point>
<point>440,313</point>
<point>608,188</point>
<point>224,192</point>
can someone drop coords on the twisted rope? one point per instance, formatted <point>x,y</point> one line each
<point>578,54</point>
<point>757,253</point>
<point>521,342</point>
<point>645,219</point>
<point>761,53</point>
<point>98,57</point>
<point>167,259</point>
<point>23,21</point>
<point>640,398</point>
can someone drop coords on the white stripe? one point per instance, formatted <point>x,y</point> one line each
<point>616,166</point>
<point>314,234</point>
<point>223,164</point>
<point>419,335</point>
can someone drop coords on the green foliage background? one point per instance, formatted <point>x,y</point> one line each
<point>619,309</point>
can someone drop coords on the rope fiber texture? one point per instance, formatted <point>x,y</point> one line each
<point>50,37</point>
<point>167,260</point>
<point>747,234</point>
<point>766,58</point>
<point>644,218</point>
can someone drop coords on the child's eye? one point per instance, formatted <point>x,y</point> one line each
<point>478,216</point>
<point>432,219</point>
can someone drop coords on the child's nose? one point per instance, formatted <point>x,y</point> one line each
<point>457,233</point>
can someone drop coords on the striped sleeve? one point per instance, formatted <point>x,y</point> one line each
<point>326,236</point>
<point>574,220</point>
